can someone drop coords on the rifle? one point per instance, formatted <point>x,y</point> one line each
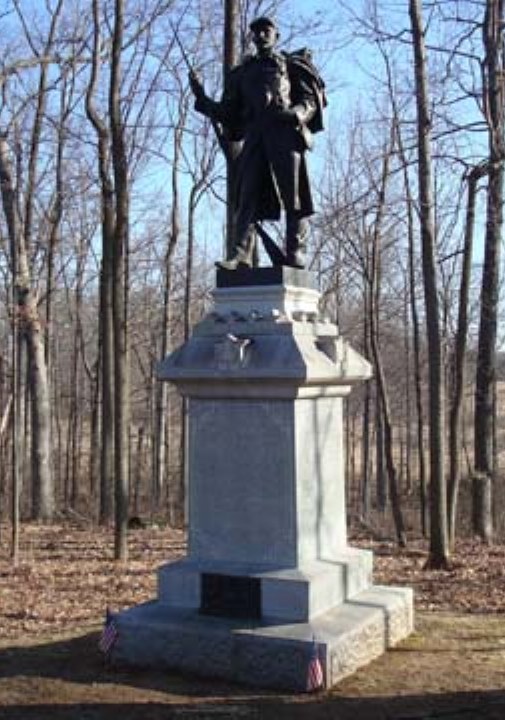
<point>276,255</point>
<point>193,76</point>
<point>191,70</point>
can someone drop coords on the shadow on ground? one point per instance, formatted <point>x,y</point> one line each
<point>486,706</point>
<point>68,680</point>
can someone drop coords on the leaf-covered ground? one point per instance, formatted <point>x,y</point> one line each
<point>66,576</point>
<point>52,605</point>
<point>476,582</point>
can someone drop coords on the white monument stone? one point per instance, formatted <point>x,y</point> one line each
<point>268,569</point>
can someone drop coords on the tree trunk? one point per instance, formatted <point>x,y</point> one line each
<point>119,293</point>
<point>27,316</point>
<point>160,449</point>
<point>418,382</point>
<point>10,206</point>
<point>17,420</point>
<point>380,473</point>
<point>482,515</point>
<point>455,420</point>
<point>106,339</point>
<point>43,486</point>
<point>408,399</point>
<point>383,397</point>
<point>162,430</point>
<point>192,204</point>
<point>230,57</point>
<point>139,465</point>
<point>416,338</point>
<point>493,102</point>
<point>439,541</point>
<point>367,401</point>
<point>94,442</point>
<point>43,497</point>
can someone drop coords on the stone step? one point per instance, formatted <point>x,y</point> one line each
<point>288,594</point>
<point>266,653</point>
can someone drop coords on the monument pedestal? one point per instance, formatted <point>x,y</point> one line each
<point>268,570</point>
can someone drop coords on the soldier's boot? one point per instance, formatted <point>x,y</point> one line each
<point>242,253</point>
<point>297,229</point>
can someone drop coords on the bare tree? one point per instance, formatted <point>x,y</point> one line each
<point>459,354</point>
<point>384,404</point>
<point>493,103</point>
<point>439,545</point>
<point>10,208</point>
<point>119,159</point>
<point>172,238</point>
<point>106,278</point>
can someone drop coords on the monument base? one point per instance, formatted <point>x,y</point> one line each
<point>263,653</point>
<point>269,573</point>
<point>286,594</point>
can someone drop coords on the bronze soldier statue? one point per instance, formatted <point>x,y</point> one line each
<point>273,102</point>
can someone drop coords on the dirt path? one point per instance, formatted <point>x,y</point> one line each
<point>453,667</point>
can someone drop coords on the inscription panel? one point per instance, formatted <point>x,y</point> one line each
<point>230,596</point>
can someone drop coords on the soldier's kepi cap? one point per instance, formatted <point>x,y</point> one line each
<point>261,22</point>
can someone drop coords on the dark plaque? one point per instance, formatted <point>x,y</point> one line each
<point>230,596</point>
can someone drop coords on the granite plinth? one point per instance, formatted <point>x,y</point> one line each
<point>265,435</point>
<point>290,594</point>
<point>272,347</point>
<point>276,301</point>
<point>265,653</point>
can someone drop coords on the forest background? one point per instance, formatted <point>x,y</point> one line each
<point>113,210</point>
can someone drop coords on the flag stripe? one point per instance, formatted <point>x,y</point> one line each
<point>315,678</point>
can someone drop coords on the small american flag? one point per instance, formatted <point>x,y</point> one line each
<point>315,679</point>
<point>109,633</point>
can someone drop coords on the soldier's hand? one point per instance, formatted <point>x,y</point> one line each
<point>196,84</point>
